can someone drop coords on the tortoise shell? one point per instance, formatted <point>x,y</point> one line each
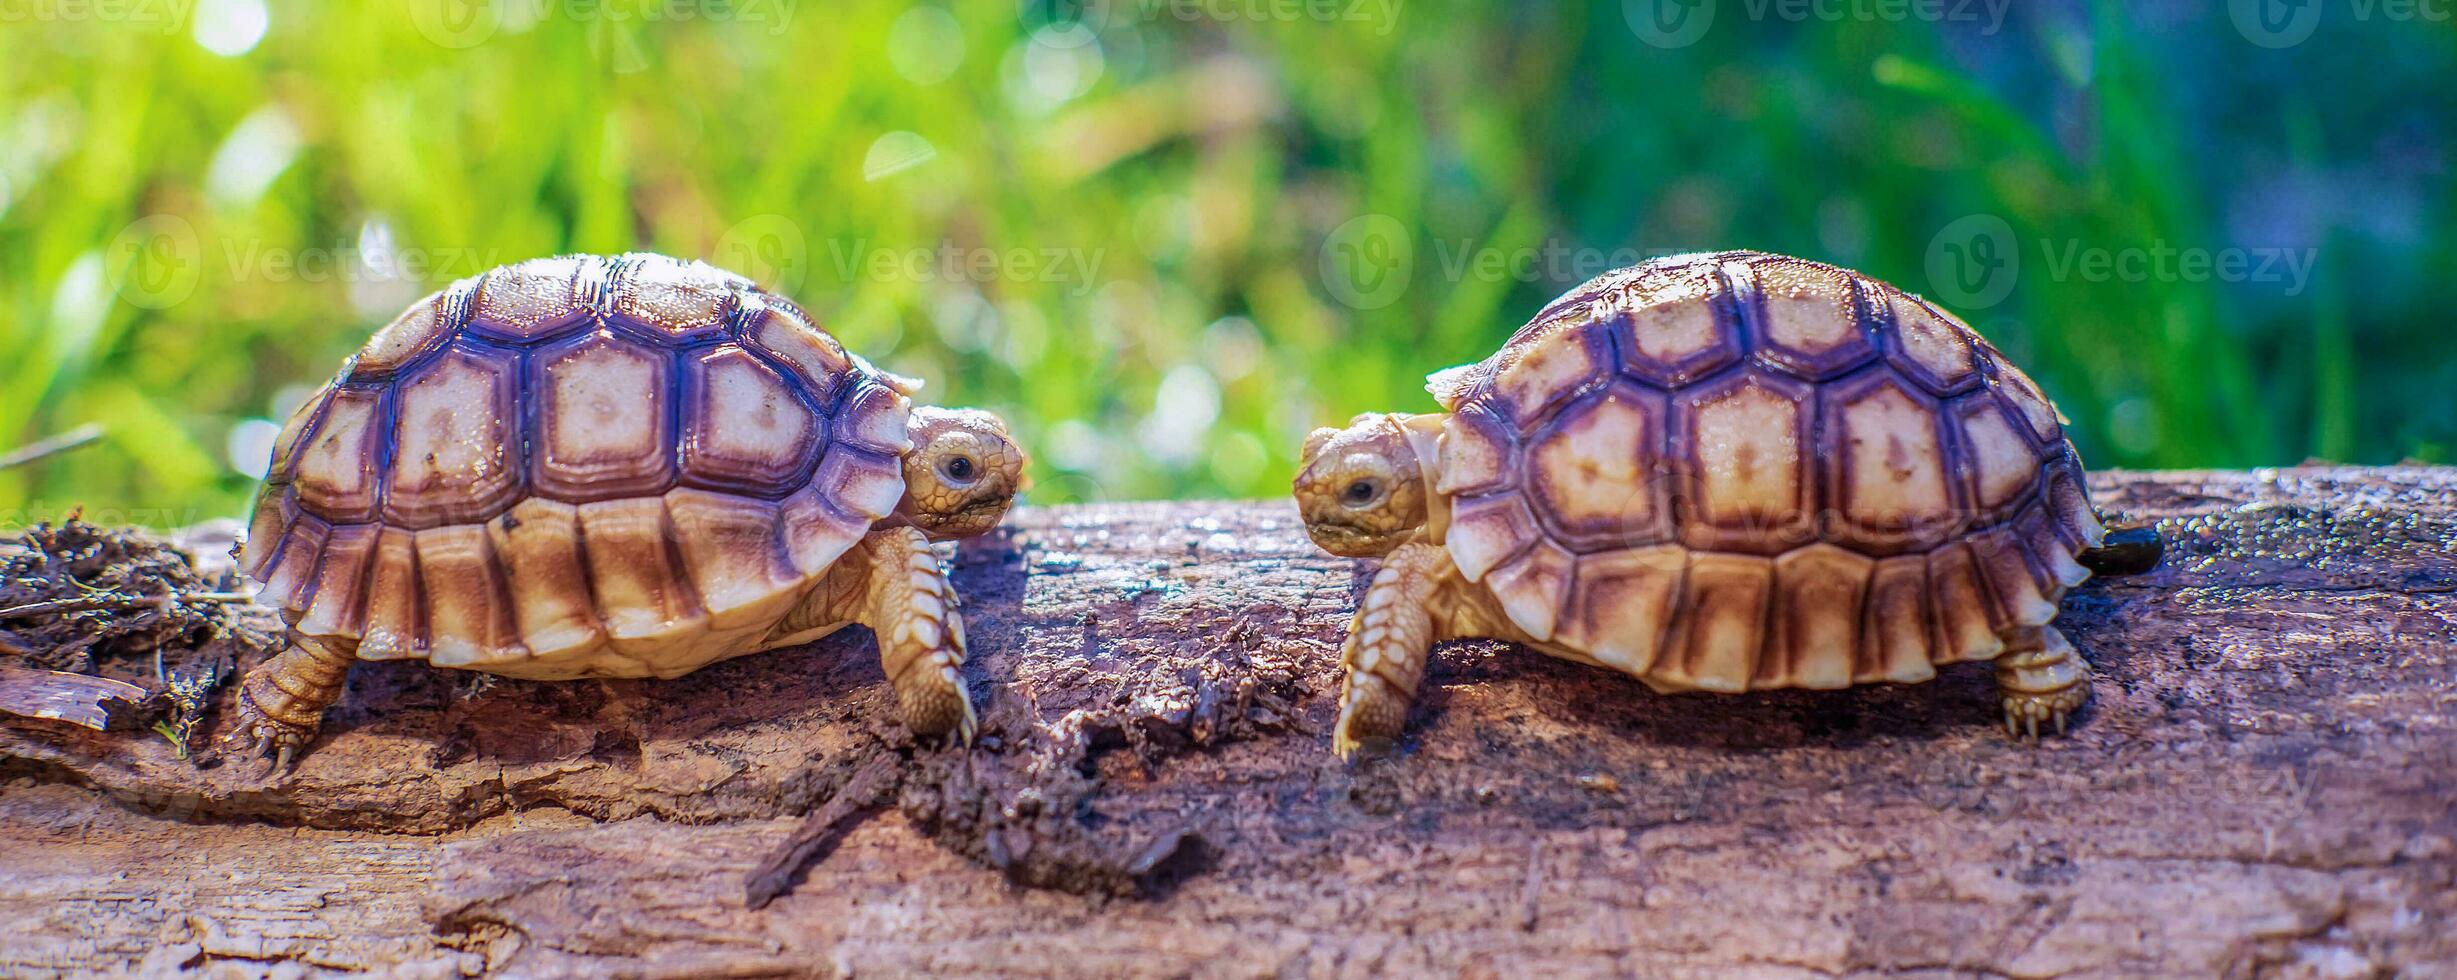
<point>615,466</point>
<point>1740,471</point>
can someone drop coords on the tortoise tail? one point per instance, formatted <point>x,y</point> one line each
<point>2130,551</point>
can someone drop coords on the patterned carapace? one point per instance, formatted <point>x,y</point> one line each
<point>603,466</point>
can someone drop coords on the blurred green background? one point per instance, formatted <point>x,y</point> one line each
<point>1166,237</point>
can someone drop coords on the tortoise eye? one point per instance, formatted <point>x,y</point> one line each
<point>957,468</point>
<point>1362,492</point>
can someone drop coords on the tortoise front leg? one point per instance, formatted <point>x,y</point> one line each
<point>907,600</point>
<point>282,701</point>
<point>2042,678</point>
<point>1388,644</point>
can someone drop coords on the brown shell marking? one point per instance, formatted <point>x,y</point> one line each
<point>1739,471</point>
<point>579,466</point>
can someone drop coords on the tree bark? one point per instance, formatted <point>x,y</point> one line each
<point>2263,785</point>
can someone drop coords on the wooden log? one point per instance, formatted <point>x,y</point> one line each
<point>2265,784</point>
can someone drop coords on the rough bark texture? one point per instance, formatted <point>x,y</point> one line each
<point>2264,785</point>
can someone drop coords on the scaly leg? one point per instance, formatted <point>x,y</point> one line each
<point>1388,643</point>
<point>282,701</point>
<point>906,599</point>
<point>2042,679</point>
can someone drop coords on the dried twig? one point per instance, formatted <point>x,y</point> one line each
<point>117,601</point>
<point>39,450</point>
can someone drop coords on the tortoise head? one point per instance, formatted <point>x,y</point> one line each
<point>962,473</point>
<point>1361,489</point>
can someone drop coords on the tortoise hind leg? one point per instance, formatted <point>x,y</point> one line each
<point>2042,679</point>
<point>1392,636</point>
<point>282,701</point>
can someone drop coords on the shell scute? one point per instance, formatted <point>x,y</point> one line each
<point>875,416</point>
<point>531,301</point>
<point>456,457</point>
<point>859,483</point>
<point>422,328</point>
<point>395,619</point>
<point>335,602</point>
<point>681,300</point>
<point>1962,610</point>
<point>1679,327</point>
<point>1929,345</point>
<point>289,578</point>
<point>2023,394</point>
<point>2001,468</point>
<point>1889,475</point>
<point>2012,585</point>
<point>539,544</point>
<point>784,333</point>
<point>1716,639</point>
<point>1488,530</point>
<point>744,428</point>
<point>1815,627</point>
<point>730,548</point>
<point>1621,604</point>
<point>1531,378</point>
<point>468,608</point>
<point>1590,470</point>
<point>282,466</point>
<point>604,424</point>
<point>1533,585</point>
<point>1895,635</point>
<point>1479,453</point>
<point>1811,318</point>
<point>276,509</point>
<point>1744,446</point>
<point>817,531</point>
<point>336,470</point>
<point>642,594</point>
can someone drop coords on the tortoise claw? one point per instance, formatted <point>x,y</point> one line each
<point>271,746</point>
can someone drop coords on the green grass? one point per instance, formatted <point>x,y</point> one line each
<point>154,280</point>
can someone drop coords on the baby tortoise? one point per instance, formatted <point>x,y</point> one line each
<point>1723,472</point>
<point>626,466</point>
